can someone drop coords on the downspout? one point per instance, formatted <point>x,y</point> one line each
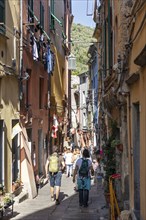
<point>109,36</point>
<point>20,73</point>
<point>21,48</point>
<point>130,149</point>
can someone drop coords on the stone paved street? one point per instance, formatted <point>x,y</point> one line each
<point>41,208</point>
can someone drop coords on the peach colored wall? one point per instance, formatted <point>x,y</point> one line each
<point>137,90</point>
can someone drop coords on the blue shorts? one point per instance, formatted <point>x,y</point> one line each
<point>55,179</point>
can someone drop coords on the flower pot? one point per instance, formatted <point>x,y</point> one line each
<point>15,186</point>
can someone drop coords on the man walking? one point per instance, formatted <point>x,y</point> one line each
<point>54,166</point>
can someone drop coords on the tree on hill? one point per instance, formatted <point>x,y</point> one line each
<point>81,37</point>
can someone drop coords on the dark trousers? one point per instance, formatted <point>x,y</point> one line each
<point>83,196</point>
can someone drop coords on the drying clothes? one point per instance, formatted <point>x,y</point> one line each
<point>49,61</point>
<point>41,37</point>
<point>35,50</point>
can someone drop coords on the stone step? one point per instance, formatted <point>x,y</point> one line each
<point>21,197</point>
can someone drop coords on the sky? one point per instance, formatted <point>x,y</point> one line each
<point>80,10</point>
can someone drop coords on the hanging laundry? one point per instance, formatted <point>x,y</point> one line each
<point>54,127</point>
<point>52,62</point>
<point>35,50</point>
<point>49,63</point>
<point>41,37</point>
<point>31,40</point>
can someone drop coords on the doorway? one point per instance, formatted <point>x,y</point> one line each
<point>136,157</point>
<point>15,154</point>
<point>40,152</point>
<point>2,181</point>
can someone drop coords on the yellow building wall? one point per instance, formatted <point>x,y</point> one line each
<point>138,91</point>
<point>9,85</point>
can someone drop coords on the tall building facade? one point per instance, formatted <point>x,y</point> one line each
<point>120,31</point>
<point>34,87</point>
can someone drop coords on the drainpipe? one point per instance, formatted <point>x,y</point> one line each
<point>21,48</point>
<point>20,71</point>
<point>109,36</point>
<point>130,149</point>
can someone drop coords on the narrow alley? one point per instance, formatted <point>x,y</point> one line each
<point>41,208</point>
<point>73,78</point>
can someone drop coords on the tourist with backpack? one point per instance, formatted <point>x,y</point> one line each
<point>54,167</point>
<point>82,170</point>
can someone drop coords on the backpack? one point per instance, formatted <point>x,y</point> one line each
<point>84,169</point>
<point>53,164</point>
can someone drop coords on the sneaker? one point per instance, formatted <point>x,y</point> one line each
<point>57,202</point>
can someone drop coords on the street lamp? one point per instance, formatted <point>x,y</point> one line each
<point>71,62</point>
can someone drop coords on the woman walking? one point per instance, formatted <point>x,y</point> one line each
<point>83,169</point>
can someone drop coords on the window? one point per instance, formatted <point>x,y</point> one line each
<point>52,25</point>
<point>84,120</point>
<point>84,99</point>
<point>41,85</point>
<point>41,15</point>
<point>30,11</point>
<point>28,86</point>
<point>2,16</point>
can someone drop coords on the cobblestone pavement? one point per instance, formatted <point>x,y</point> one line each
<point>42,208</point>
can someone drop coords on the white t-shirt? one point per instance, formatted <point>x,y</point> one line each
<point>68,158</point>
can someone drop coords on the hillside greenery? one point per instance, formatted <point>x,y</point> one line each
<point>80,36</point>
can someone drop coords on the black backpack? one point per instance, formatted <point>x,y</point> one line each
<point>84,169</point>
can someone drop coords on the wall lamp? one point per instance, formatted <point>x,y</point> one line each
<point>25,77</point>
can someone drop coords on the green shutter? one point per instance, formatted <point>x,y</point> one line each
<point>2,16</point>
<point>109,38</point>
<point>30,11</point>
<point>105,57</point>
<point>41,15</point>
<point>52,25</point>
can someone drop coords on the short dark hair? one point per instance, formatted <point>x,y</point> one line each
<point>86,153</point>
<point>54,149</point>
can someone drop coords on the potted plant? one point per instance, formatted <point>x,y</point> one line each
<point>1,189</point>
<point>16,184</point>
<point>118,144</point>
<point>109,161</point>
<point>8,200</point>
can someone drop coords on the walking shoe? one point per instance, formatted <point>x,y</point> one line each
<point>80,204</point>
<point>57,202</point>
<point>86,205</point>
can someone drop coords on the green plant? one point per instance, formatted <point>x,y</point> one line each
<point>115,142</point>
<point>109,161</point>
<point>7,199</point>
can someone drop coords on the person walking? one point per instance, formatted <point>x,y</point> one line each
<point>68,162</point>
<point>54,167</point>
<point>82,170</point>
<point>76,156</point>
